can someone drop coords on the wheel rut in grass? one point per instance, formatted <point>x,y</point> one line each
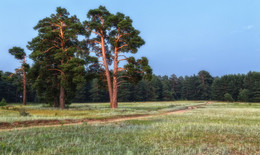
<point>21,125</point>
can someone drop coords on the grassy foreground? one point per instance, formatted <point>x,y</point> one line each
<point>90,110</point>
<point>220,128</point>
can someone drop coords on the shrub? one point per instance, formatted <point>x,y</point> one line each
<point>243,95</point>
<point>228,97</point>
<point>23,112</point>
<point>3,102</point>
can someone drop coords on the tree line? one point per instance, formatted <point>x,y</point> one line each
<point>203,86</point>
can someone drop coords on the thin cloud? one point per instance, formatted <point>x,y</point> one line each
<point>249,27</point>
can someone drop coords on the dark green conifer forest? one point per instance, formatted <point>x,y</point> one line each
<point>233,87</point>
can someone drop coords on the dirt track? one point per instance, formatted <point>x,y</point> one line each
<point>56,123</point>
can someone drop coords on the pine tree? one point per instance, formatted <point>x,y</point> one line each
<point>190,85</point>
<point>114,37</point>
<point>167,93</point>
<point>125,92</point>
<point>56,52</point>
<point>204,88</point>
<point>252,83</point>
<point>97,93</point>
<point>141,91</point>
<point>156,89</point>
<point>20,55</point>
<point>243,95</point>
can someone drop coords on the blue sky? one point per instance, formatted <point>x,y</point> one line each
<point>182,36</point>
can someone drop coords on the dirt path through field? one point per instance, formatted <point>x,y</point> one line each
<point>57,123</point>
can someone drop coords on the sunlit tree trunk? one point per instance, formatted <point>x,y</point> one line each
<point>109,84</point>
<point>115,84</point>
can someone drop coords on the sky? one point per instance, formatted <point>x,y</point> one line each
<point>182,36</point>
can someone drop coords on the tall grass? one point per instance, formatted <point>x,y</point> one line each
<point>215,129</point>
<point>90,110</point>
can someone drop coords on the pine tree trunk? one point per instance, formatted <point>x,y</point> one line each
<point>56,102</point>
<point>62,97</point>
<point>109,84</point>
<point>115,89</point>
<point>115,86</point>
<point>56,99</point>
<point>24,83</point>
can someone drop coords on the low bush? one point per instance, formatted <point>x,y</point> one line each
<point>228,98</point>
<point>3,102</point>
<point>23,112</point>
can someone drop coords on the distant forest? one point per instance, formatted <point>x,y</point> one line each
<point>203,86</point>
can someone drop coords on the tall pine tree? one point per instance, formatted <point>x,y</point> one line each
<point>56,51</point>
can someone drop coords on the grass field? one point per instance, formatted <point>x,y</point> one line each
<point>219,128</point>
<point>90,110</point>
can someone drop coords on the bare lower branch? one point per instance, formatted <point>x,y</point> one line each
<point>122,59</point>
<point>15,72</point>
<point>123,46</point>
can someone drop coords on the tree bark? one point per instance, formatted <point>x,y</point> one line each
<point>62,97</point>
<point>115,86</point>
<point>24,83</point>
<point>109,84</point>
<point>62,90</point>
<point>56,99</point>
<point>56,102</point>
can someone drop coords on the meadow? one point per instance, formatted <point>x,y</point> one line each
<point>218,128</point>
<point>89,110</point>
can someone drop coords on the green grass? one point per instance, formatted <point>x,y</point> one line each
<point>220,128</point>
<point>91,110</point>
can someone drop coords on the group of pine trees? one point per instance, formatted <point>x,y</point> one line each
<point>11,89</point>
<point>62,61</point>
<point>234,87</point>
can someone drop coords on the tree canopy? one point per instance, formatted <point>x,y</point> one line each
<point>56,51</point>
<point>17,52</point>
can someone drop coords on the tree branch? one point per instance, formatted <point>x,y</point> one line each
<point>95,41</point>
<point>123,56</point>
<point>49,49</point>
<point>120,82</point>
<point>15,72</point>
<point>57,70</point>
<point>123,46</point>
<point>102,21</point>
<point>94,32</point>
<point>121,69</point>
<point>122,60</point>
<point>123,77</point>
